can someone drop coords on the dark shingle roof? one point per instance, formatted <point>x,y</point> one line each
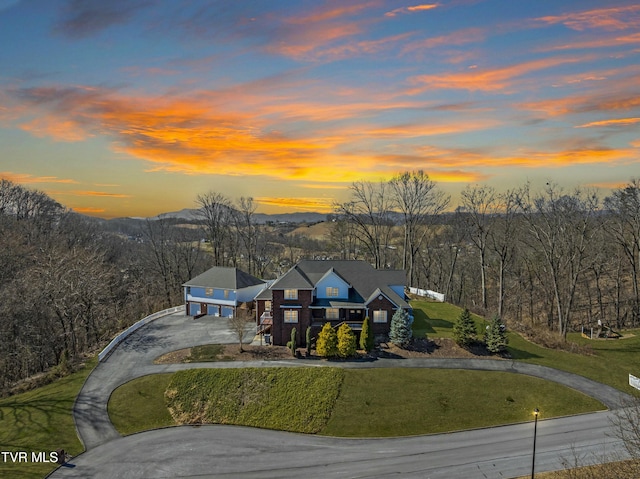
<point>364,278</point>
<point>224,278</point>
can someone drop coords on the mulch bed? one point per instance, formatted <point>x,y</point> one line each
<point>419,348</point>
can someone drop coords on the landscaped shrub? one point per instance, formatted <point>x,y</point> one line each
<point>495,336</point>
<point>308,339</point>
<point>327,342</point>
<point>464,330</point>
<point>293,344</point>
<point>400,332</point>
<point>366,336</point>
<point>346,341</point>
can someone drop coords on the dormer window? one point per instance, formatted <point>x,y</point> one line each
<point>290,294</point>
<point>332,292</point>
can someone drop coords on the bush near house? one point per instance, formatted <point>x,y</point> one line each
<point>346,341</point>
<point>366,336</point>
<point>327,342</point>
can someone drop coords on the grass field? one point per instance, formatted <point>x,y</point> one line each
<point>41,421</point>
<point>611,363</point>
<point>336,402</point>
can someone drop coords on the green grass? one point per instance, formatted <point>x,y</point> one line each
<point>348,403</point>
<point>139,404</point>
<point>399,402</point>
<point>611,363</point>
<point>436,320</point>
<point>299,399</point>
<point>41,421</point>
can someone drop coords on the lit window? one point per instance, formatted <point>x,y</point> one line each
<point>290,316</point>
<point>290,294</point>
<point>226,294</point>
<point>333,313</point>
<point>332,292</point>
<point>267,305</point>
<point>208,292</point>
<point>380,316</point>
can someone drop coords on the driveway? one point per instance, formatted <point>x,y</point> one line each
<point>187,451</point>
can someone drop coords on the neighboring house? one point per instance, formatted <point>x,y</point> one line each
<point>315,292</point>
<point>219,290</point>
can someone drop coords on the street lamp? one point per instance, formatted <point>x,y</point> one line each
<point>536,411</point>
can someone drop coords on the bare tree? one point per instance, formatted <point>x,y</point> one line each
<point>560,228</point>
<point>624,228</point>
<point>216,212</point>
<point>480,205</point>
<point>247,229</point>
<point>417,198</point>
<point>368,211</point>
<point>239,324</point>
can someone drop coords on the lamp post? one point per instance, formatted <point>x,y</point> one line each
<point>536,411</point>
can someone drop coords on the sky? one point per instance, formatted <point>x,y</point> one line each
<point>134,107</point>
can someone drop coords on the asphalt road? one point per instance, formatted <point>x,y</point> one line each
<point>222,451</point>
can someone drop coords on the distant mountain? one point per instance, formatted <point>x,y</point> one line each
<point>191,214</point>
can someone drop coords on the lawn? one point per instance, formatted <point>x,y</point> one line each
<point>337,402</point>
<point>611,363</point>
<point>41,421</point>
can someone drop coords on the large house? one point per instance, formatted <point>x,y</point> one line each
<point>313,293</point>
<point>219,290</point>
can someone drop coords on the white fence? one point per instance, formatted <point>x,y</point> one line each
<point>427,293</point>
<point>120,337</point>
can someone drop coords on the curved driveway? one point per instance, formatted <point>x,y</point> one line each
<point>220,450</point>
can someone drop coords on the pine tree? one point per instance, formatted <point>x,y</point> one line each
<point>346,341</point>
<point>293,343</point>
<point>464,331</point>
<point>400,332</point>
<point>327,342</point>
<point>366,336</point>
<point>495,336</point>
<point>308,338</point>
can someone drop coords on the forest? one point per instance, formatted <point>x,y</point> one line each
<point>546,262</point>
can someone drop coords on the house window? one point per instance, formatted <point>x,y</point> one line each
<point>380,316</point>
<point>333,313</point>
<point>290,316</point>
<point>208,292</point>
<point>332,292</point>
<point>290,294</point>
<point>267,305</point>
<point>226,294</point>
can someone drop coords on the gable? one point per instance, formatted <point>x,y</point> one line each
<point>332,281</point>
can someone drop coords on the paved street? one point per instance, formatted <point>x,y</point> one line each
<point>217,451</point>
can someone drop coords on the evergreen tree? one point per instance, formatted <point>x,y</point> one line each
<point>346,341</point>
<point>400,332</point>
<point>327,342</point>
<point>464,331</point>
<point>366,336</point>
<point>293,343</point>
<point>308,338</point>
<point>495,336</point>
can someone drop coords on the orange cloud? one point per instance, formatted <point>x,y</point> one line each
<point>598,43</point>
<point>51,126</point>
<point>412,9</point>
<point>462,37</point>
<point>88,210</point>
<point>608,186</point>
<point>100,194</point>
<point>612,122</point>
<point>487,79</point>
<point>24,178</point>
<point>615,18</point>
<point>308,204</point>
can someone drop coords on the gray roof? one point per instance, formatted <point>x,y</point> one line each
<point>224,278</point>
<point>363,278</point>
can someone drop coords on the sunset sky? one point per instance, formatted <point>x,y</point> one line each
<point>134,107</point>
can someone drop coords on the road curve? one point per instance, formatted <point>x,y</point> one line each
<point>137,455</point>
